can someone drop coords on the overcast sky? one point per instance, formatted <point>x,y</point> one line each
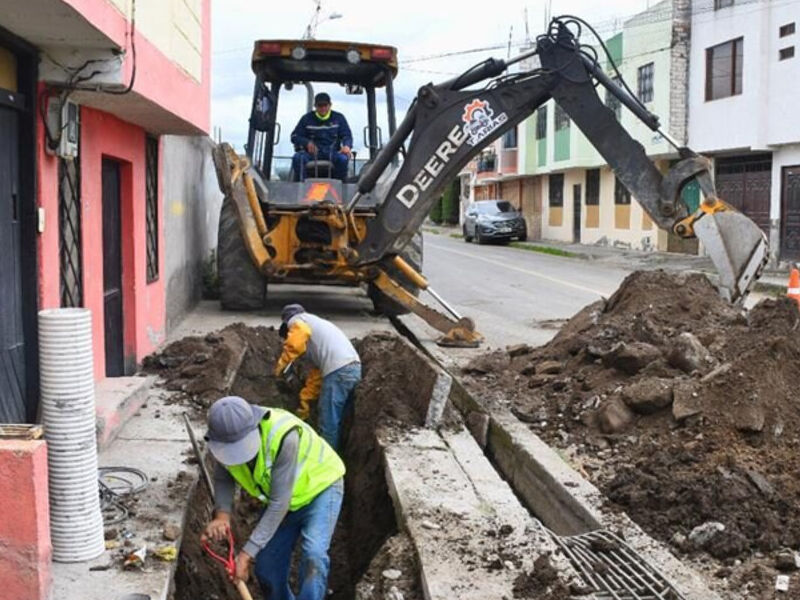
<point>420,29</point>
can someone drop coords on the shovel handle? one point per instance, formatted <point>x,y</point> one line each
<point>243,591</point>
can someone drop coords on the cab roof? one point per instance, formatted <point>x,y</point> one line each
<point>321,60</point>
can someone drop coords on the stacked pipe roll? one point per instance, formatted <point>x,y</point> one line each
<point>68,416</point>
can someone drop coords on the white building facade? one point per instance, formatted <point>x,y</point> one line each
<point>744,85</point>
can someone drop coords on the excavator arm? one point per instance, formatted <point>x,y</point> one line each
<point>448,124</point>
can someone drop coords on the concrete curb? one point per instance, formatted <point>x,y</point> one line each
<point>117,399</point>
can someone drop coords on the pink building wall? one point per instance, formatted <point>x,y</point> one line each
<point>106,136</point>
<point>25,560</point>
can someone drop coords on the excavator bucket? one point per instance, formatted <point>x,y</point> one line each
<point>738,249</point>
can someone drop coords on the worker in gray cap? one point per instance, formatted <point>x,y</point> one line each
<point>264,450</point>
<point>336,372</point>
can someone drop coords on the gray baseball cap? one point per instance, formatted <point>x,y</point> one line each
<point>233,435</point>
<point>290,310</point>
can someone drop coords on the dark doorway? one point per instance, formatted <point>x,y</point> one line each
<point>745,183</point>
<point>576,213</point>
<point>112,269</point>
<point>790,213</point>
<point>12,338</point>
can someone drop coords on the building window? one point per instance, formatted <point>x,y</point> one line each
<point>69,233</point>
<point>724,69</point>
<point>612,102</point>
<point>556,190</point>
<point>592,187</point>
<point>151,207</point>
<point>645,83</point>
<point>541,123</point>
<point>722,4</point>
<point>562,119</point>
<point>785,53</point>
<point>510,138</point>
<point>785,30</point>
<point>621,193</point>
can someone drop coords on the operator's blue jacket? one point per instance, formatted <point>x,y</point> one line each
<point>328,135</point>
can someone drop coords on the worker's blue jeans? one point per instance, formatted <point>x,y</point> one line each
<point>314,525</point>
<point>300,159</point>
<point>335,399</point>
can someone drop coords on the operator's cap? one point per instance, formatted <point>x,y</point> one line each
<point>233,435</point>
<point>290,310</point>
<point>322,98</point>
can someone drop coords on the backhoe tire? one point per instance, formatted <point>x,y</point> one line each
<point>241,284</point>
<point>412,254</point>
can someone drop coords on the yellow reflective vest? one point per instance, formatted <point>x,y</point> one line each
<point>318,465</point>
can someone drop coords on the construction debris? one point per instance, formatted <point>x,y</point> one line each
<point>680,408</point>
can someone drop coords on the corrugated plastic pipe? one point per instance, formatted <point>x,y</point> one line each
<point>68,415</point>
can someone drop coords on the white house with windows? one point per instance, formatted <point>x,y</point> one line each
<point>744,86</point>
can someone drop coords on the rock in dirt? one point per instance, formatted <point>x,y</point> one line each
<point>171,532</point>
<point>689,354</point>
<point>630,358</point>
<point>787,561</point>
<point>648,396</point>
<point>614,416</point>
<point>548,367</point>
<point>685,400</point>
<point>749,418</point>
<point>702,535</point>
<point>519,350</point>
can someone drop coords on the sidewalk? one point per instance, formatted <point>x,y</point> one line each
<point>772,280</point>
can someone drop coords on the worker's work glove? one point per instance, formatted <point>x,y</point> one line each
<point>304,409</point>
<point>309,393</point>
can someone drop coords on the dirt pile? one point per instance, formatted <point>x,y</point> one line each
<point>236,360</point>
<point>681,409</point>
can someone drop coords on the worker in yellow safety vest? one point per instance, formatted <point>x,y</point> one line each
<point>280,460</point>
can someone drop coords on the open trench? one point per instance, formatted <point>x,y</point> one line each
<point>367,541</point>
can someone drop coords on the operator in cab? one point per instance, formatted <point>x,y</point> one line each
<point>322,134</point>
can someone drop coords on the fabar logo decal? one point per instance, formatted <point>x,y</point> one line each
<point>480,121</point>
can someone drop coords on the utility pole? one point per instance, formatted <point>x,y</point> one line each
<point>311,28</point>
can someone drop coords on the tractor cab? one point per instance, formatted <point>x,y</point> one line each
<point>288,75</point>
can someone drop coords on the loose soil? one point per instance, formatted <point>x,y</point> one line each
<point>681,409</point>
<point>238,360</point>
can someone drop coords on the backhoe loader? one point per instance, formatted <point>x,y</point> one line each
<point>365,229</point>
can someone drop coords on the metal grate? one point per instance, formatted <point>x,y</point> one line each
<point>612,569</point>
<point>151,206</point>
<point>69,227</point>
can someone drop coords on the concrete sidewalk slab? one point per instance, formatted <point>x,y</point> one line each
<point>472,536</point>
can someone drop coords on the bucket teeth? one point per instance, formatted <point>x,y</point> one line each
<point>738,249</point>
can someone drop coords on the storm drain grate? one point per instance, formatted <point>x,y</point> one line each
<point>612,569</point>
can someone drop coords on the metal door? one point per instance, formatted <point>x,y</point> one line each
<point>745,183</point>
<point>12,340</point>
<point>576,213</point>
<point>112,269</point>
<point>790,214</point>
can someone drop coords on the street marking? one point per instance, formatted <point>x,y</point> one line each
<point>526,271</point>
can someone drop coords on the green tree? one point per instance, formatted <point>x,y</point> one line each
<point>450,202</point>
<point>436,212</point>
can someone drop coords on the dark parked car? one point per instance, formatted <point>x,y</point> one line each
<point>493,220</point>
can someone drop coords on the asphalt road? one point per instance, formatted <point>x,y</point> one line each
<point>513,295</point>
